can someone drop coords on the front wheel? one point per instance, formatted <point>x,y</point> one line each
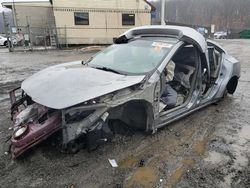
<point>72,147</point>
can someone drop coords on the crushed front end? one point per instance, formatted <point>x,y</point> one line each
<point>83,125</point>
<point>32,122</point>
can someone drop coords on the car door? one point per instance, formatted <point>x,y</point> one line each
<point>195,90</point>
<point>213,79</point>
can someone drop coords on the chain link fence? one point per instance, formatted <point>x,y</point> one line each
<point>39,38</point>
<point>32,38</point>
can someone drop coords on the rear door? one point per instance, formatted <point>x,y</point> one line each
<point>212,80</point>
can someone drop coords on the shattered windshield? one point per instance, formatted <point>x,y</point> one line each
<point>136,57</point>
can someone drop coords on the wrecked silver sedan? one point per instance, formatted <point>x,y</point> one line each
<point>149,77</point>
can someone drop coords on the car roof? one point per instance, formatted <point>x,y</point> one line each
<point>182,33</point>
<point>157,39</point>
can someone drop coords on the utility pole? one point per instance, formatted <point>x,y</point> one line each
<point>15,14</point>
<point>163,3</point>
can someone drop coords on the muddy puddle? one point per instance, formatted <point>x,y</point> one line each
<point>129,162</point>
<point>200,146</point>
<point>142,177</point>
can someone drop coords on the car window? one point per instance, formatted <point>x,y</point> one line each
<point>214,61</point>
<point>136,57</point>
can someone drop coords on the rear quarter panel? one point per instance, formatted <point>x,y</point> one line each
<point>230,68</point>
<point>234,64</point>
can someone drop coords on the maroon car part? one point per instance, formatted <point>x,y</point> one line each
<point>35,134</point>
<point>37,131</point>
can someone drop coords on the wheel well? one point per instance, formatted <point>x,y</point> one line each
<point>232,84</point>
<point>5,43</point>
<point>136,114</point>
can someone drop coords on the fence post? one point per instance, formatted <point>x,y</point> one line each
<point>6,27</point>
<point>55,33</point>
<point>11,43</point>
<point>30,37</point>
<point>49,36</point>
<point>57,40</point>
<point>66,42</point>
<point>44,36</point>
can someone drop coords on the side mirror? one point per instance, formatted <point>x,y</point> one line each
<point>86,62</point>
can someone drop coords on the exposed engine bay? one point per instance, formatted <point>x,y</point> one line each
<point>86,125</point>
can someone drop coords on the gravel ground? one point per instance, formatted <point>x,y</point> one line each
<point>209,148</point>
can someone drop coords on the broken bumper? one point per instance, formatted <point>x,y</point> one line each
<point>35,134</point>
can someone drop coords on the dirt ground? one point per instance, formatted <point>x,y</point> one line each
<point>210,148</point>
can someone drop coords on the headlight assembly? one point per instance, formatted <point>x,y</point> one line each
<point>20,131</point>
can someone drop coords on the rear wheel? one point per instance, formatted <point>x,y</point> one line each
<point>232,85</point>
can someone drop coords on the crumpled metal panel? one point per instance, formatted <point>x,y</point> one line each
<point>68,84</point>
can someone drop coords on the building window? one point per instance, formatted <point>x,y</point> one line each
<point>81,18</point>
<point>128,19</point>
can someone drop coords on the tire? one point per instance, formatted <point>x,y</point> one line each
<point>232,85</point>
<point>5,44</point>
<point>73,147</point>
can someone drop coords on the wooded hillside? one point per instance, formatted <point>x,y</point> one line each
<point>231,14</point>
